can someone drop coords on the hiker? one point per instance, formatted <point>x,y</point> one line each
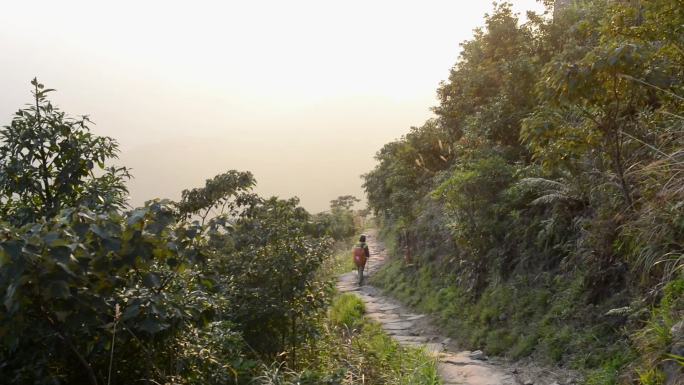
<point>361,255</point>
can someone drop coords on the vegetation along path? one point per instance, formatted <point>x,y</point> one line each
<point>455,366</point>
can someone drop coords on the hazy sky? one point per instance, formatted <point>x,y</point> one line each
<point>301,93</point>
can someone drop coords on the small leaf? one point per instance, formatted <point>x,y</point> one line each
<point>151,280</point>
<point>59,289</point>
<point>66,269</point>
<point>86,216</point>
<point>9,295</point>
<point>131,312</point>
<point>4,257</point>
<point>152,326</point>
<point>97,230</point>
<point>136,216</point>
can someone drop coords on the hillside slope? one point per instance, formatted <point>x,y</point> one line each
<point>539,213</point>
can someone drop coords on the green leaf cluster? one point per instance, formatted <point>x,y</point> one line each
<point>50,161</point>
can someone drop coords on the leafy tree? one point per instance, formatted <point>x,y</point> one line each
<point>49,161</point>
<point>269,272</point>
<point>491,87</point>
<point>554,165</point>
<point>345,202</point>
<point>225,192</point>
<point>340,222</point>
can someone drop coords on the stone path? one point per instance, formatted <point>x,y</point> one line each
<point>454,366</point>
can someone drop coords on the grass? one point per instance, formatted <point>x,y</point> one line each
<point>654,339</point>
<point>547,319</point>
<point>347,311</point>
<point>389,363</point>
<point>355,350</point>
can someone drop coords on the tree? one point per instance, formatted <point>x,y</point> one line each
<point>49,161</point>
<point>490,87</point>
<point>345,202</point>
<point>563,173</point>
<point>227,191</point>
<point>269,272</point>
<point>339,223</point>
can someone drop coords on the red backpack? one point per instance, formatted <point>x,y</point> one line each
<point>359,253</point>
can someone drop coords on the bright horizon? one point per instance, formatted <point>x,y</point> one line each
<point>302,94</point>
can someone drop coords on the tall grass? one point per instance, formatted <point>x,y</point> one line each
<point>347,311</point>
<point>354,350</point>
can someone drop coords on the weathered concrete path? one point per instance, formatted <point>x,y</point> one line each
<point>455,366</point>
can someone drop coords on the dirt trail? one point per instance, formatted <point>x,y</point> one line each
<point>408,328</point>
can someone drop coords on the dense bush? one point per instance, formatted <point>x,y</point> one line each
<point>200,291</point>
<point>553,168</point>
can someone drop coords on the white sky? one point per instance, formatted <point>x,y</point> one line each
<point>301,93</point>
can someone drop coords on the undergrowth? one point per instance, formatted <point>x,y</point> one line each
<point>548,320</point>
<point>354,350</point>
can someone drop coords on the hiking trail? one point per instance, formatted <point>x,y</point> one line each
<point>455,366</point>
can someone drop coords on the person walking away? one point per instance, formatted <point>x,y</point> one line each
<point>361,253</point>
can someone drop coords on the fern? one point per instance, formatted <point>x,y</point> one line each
<point>551,191</point>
